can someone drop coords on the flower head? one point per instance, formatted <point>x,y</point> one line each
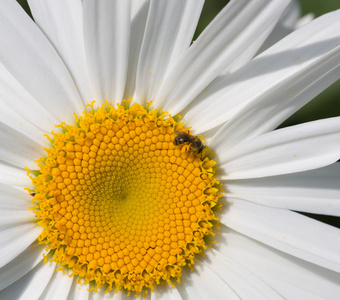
<point>128,131</point>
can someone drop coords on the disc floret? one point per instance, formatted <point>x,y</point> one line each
<point>120,204</point>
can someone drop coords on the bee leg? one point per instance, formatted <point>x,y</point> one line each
<point>185,148</point>
<point>203,150</point>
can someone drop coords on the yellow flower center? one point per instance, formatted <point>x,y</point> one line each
<point>121,204</point>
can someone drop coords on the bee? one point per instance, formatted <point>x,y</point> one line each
<point>194,142</point>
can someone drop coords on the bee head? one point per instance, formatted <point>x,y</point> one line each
<point>179,140</point>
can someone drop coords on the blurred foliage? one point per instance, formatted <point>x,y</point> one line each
<point>318,7</point>
<point>210,9</point>
<point>327,104</point>
<point>25,6</point>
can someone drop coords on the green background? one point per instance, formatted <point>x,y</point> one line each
<point>327,104</point>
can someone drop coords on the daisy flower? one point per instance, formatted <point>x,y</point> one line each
<point>137,163</point>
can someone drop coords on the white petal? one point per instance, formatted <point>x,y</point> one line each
<point>21,265</point>
<point>10,218</point>
<point>272,108</point>
<point>291,277</point>
<point>18,149</point>
<point>13,176</point>
<point>31,285</point>
<point>286,25</point>
<point>14,97</point>
<point>14,206</point>
<point>137,6</point>
<point>291,15</point>
<point>166,292</point>
<point>204,283</point>
<point>292,149</point>
<point>58,287</point>
<point>13,199</point>
<point>139,14</point>
<point>36,65</point>
<point>106,36</point>
<point>284,230</point>
<point>15,121</point>
<point>305,20</point>
<point>298,59</point>
<point>169,30</point>
<point>244,283</point>
<point>240,23</point>
<point>315,191</point>
<point>141,297</point>
<point>62,23</point>
<point>112,295</point>
<point>78,291</point>
<point>16,240</point>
